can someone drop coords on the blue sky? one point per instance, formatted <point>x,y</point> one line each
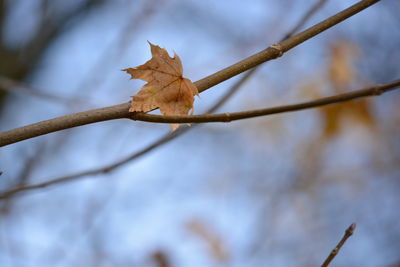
<point>264,188</point>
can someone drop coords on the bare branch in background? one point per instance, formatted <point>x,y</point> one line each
<point>17,64</point>
<point>22,178</point>
<point>13,86</point>
<point>2,13</point>
<point>305,18</point>
<point>116,48</point>
<point>349,231</point>
<point>121,111</point>
<point>51,27</point>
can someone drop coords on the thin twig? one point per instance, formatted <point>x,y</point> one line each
<point>12,86</point>
<point>22,179</point>
<point>349,231</point>
<point>170,136</point>
<point>305,18</point>
<point>117,47</point>
<point>224,117</point>
<point>121,111</point>
<point>228,117</point>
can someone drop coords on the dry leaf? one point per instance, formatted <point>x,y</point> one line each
<point>215,244</point>
<point>341,66</point>
<point>160,258</point>
<point>332,117</point>
<point>166,88</point>
<point>342,73</point>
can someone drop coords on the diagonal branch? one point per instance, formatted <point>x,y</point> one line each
<point>121,111</point>
<point>349,232</point>
<point>169,136</point>
<point>224,117</point>
<point>18,63</point>
<point>13,86</point>
<point>305,18</point>
<point>50,27</point>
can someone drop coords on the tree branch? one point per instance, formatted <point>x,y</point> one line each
<point>349,231</point>
<point>121,111</point>
<point>228,117</point>
<point>165,138</point>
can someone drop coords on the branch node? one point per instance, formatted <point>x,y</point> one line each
<point>278,48</point>
<point>378,90</point>
<point>227,117</point>
<point>107,169</point>
<point>350,230</point>
<point>133,115</point>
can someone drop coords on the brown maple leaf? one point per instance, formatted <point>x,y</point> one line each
<point>166,88</point>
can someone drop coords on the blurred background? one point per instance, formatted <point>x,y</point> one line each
<point>271,191</point>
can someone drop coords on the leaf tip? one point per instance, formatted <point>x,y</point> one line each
<point>129,71</point>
